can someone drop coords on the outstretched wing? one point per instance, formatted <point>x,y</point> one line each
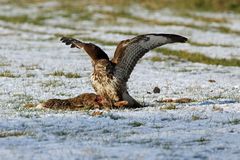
<point>128,52</point>
<point>92,50</point>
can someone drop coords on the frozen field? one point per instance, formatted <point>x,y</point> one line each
<point>35,66</point>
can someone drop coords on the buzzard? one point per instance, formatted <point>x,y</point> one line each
<point>109,77</point>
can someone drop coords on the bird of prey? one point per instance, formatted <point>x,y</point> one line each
<point>109,77</point>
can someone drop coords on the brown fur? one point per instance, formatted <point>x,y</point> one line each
<point>82,102</point>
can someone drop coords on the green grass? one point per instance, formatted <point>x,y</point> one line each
<point>67,75</point>
<point>123,32</point>
<point>106,131</point>
<point>4,134</point>
<point>24,19</point>
<point>135,124</point>
<point>227,30</point>
<point>30,67</point>
<point>167,145</point>
<point>126,14</point>
<point>156,59</point>
<point>3,64</point>
<point>203,18</point>
<point>208,44</point>
<point>14,19</point>
<point>25,2</point>
<point>194,5</point>
<point>8,74</point>
<point>195,117</point>
<point>52,83</point>
<point>233,122</point>
<point>72,75</point>
<point>184,70</point>
<point>202,140</point>
<point>61,133</point>
<point>199,58</point>
<point>28,75</point>
<point>80,12</point>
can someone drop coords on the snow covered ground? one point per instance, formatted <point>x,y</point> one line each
<point>207,128</point>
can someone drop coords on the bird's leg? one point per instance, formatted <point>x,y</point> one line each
<point>108,103</point>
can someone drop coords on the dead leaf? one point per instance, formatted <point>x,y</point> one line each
<point>180,100</point>
<point>96,113</point>
<point>211,81</point>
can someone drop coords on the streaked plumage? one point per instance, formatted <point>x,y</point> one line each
<point>109,77</point>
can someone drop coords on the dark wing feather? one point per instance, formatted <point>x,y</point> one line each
<point>128,52</point>
<point>92,50</point>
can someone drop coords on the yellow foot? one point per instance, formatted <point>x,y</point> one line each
<point>121,103</point>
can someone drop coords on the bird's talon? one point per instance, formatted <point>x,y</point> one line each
<point>121,103</point>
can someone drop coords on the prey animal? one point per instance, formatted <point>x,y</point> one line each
<point>109,77</point>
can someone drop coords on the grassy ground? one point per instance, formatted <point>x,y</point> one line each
<point>80,8</point>
<point>36,66</point>
<point>194,5</point>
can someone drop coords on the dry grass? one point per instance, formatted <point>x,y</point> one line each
<point>120,10</point>
<point>4,134</point>
<point>135,124</point>
<point>31,67</point>
<point>8,74</point>
<point>156,59</point>
<point>196,5</point>
<point>200,58</point>
<point>67,75</point>
<point>208,44</point>
<point>204,18</point>
<point>52,83</point>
